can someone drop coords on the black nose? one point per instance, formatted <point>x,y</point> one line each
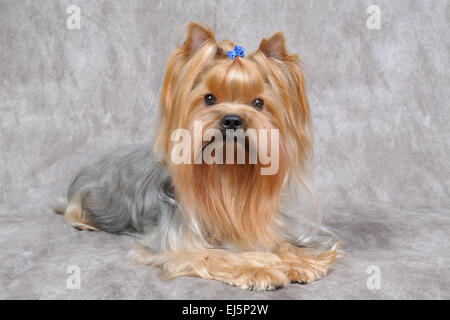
<point>232,121</point>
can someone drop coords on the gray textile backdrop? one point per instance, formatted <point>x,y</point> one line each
<point>380,105</point>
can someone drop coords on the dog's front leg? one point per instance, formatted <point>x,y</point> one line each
<point>247,270</point>
<point>304,266</point>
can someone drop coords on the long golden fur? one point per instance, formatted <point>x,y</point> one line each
<point>227,221</point>
<point>233,203</point>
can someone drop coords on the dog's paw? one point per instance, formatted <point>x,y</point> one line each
<point>261,278</point>
<point>305,267</point>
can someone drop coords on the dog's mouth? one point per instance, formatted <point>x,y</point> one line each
<point>236,138</point>
<point>207,143</point>
<point>228,150</point>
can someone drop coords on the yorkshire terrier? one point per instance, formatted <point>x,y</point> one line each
<point>225,221</point>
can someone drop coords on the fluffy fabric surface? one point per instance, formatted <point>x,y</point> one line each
<point>380,107</point>
<point>410,248</point>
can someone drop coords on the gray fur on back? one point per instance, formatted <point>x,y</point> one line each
<point>127,191</point>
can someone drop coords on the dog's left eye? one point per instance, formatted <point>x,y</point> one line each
<point>210,100</point>
<point>258,103</point>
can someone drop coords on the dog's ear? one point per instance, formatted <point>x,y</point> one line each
<point>197,36</point>
<point>286,72</point>
<point>274,47</point>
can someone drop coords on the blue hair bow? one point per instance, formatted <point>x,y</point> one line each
<point>237,52</point>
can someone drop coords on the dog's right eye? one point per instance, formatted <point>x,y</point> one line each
<point>210,100</point>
